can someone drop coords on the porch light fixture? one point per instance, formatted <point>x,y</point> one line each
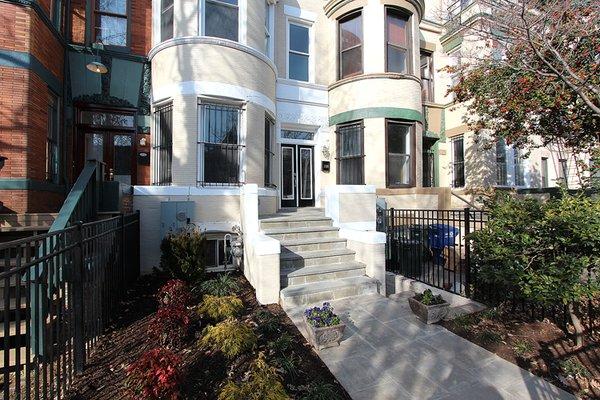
<point>97,67</point>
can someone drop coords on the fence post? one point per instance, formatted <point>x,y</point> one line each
<point>123,276</point>
<point>467,252</point>
<point>78,308</point>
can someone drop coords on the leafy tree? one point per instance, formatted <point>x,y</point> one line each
<point>547,253</point>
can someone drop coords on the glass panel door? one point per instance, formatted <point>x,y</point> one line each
<point>94,146</point>
<point>306,176</point>
<point>288,176</point>
<point>122,158</point>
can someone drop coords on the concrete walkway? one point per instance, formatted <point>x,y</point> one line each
<point>386,353</point>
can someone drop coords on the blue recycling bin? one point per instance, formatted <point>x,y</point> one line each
<point>440,236</point>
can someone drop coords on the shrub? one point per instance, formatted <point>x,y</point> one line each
<point>182,255</point>
<point>268,323</point>
<point>428,298</point>
<point>263,383</point>
<point>155,376</point>
<point>322,316</point>
<point>223,285</point>
<point>547,253</point>
<point>175,293</point>
<point>319,391</point>
<point>220,308</point>
<point>170,325</point>
<point>231,337</point>
<point>282,344</point>
<point>288,362</point>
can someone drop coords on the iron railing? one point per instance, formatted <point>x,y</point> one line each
<point>430,245</point>
<point>58,292</point>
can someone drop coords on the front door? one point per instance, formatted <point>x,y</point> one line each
<point>297,176</point>
<point>115,150</point>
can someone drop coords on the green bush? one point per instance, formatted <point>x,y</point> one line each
<point>319,391</point>
<point>544,252</point>
<point>263,383</point>
<point>223,285</point>
<point>182,255</point>
<point>231,337</point>
<point>220,308</point>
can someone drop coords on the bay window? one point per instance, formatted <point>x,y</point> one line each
<point>269,154</point>
<point>298,52</point>
<point>166,20</point>
<point>398,41</point>
<point>400,140</point>
<point>219,144</point>
<point>162,145</point>
<point>350,154</point>
<point>221,19</point>
<point>350,45</point>
<point>268,29</point>
<point>110,22</point>
<point>458,162</point>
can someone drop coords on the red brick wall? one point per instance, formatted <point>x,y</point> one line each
<point>28,201</point>
<point>78,21</point>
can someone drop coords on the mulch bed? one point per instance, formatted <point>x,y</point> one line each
<point>206,372</point>
<point>540,347</point>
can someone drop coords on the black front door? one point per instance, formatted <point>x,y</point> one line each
<point>297,176</point>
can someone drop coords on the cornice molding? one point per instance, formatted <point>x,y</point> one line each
<point>211,41</point>
<point>383,75</point>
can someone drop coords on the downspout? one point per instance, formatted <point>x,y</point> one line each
<point>66,80</point>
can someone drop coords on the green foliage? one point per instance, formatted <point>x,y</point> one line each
<point>231,337</point>
<point>465,321</point>
<point>220,308</point>
<point>522,348</point>
<point>182,255</point>
<point>263,383</point>
<point>319,391</point>
<point>288,362</point>
<point>491,313</point>
<point>268,323</point>
<point>490,337</point>
<point>548,253</point>
<point>223,285</point>
<point>428,298</point>
<point>282,344</point>
<point>574,368</point>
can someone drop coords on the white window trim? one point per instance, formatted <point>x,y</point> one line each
<point>242,20</point>
<point>452,162</point>
<point>311,46</point>
<point>241,134</point>
<point>270,29</point>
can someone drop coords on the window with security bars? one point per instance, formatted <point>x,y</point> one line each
<point>269,154</point>
<point>53,140</point>
<point>162,145</point>
<point>519,167</point>
<point>219,145</point>
<point>350,154</point>
<point>458,162</point>
<point>501,166</point>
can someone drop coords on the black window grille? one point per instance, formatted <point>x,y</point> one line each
<point>350,154</point>
<point>501,169</point>
<point>269,154</point>
<point>163,145</point>
<point>53,140</point>
<point>458,163</point>
<point>219,145</point>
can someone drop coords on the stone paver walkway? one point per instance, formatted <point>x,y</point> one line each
<point>386,353</point>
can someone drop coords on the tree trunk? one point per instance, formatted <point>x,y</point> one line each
<point>577,325</point>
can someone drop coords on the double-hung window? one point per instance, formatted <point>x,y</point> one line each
<point>350,156</point>
<point>458,162</point>
<point>221,19</point>
<point>219,145</point>
<point>399,153</point>
<point>544,172</point>
<point>268,29</point>
<point>427,74</point>
<point>166,20</point>
<point>519,167</point>
<point>162,144</point>
<point>501,167</point>
<point>350,45</point>
<point>298,52</point>
<point>53,140</point>
<point>110,27</point>
<point>269,154</point>
<point>398,41</point>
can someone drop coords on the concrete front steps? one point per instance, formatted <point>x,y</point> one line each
<point>315,263</point>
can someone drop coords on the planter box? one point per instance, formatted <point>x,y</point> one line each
<point>328,336</point>
<point>428,314</point>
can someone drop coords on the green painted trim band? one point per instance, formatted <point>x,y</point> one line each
<point>30,184</point>
<point>20,59</point>
<point>376,112</point>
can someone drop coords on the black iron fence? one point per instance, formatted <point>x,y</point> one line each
<point>58,292</point>
<point>430,245</point>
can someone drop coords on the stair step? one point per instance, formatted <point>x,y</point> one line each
<point>292,277</point>
<point>317,292</point>
<point>302,233</point>
<point>314,258</point>
<point>295,222</point>
<point>313,243</point>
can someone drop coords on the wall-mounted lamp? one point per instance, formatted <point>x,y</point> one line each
<point>2,160</point>
<point>97,67</point>
<point>143,141</point>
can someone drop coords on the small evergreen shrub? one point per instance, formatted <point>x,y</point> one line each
<point>170,325</point>
<point>223,285</point>
<point>174,293</point>
<point>155,376</point>
<point>182,255</point>
<point>231,337</point>
<point>428,298</point>
<point>263,383</point>
<point>220,308</point>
